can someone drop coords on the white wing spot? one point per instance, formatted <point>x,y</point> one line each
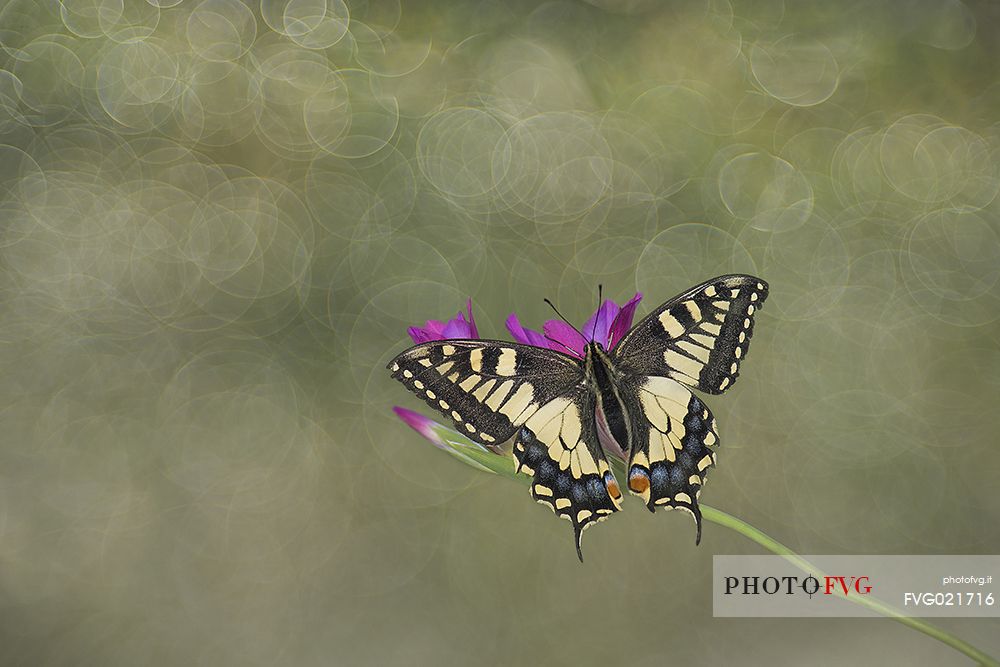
<point>543,490</point>
<point>480,394</point>
<point>738,352</point>
<point>498,396</point>
<point>431,395</point>
<point>506,362</point>
<point>675,444</point>
<point>444,404</point>
<point>518,402</point>
<point>701,339</point>
<point>750,309</point>
<point>566,460</point>
<point>694,310</point>
<point>418,384</point>
<point>683,364</point>
<point>562,503</point>
<point>457,417</point>
<point>746,323</point>
<point>487,437</point>
<point>407,374</point>
<point>670,324</point>
<point>395,367</point>
<point>470,428</point>
<point>448,350</point>
<point>697,351</point>
<point>476,359</point>
<point>710,291</point>
<point>753,297</point>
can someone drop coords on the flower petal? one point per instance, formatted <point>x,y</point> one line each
<point>421,424</point>
<point>526,336</point>
<point>566,336</point>
<point>457,327</point>
<point>430,331</point>
<point>623,320</point>
<point>473,331</point>
<point>598,326</point>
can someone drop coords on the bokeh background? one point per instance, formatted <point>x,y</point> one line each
<point>218,218</point>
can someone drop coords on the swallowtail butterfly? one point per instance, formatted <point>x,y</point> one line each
<point>565,412</point>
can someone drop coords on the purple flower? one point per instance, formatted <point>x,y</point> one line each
<point>609,325</point>
<point>458,327</point>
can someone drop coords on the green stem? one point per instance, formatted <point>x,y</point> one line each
<point>775,547</point>
<point>471,453</point>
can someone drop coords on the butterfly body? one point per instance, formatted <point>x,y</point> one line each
<point>566,413</point>
<point>613,392</point>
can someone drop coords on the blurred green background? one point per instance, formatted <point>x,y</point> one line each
<point>219,217</point>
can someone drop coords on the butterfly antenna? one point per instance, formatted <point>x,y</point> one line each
<point>600,300</point>
<point>563,318</point>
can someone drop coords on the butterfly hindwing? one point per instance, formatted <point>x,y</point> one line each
<point>700,337</point>
<point>486,387</point>
<point>558,447</point>
<point>671,447</point>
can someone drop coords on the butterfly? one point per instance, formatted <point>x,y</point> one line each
<point>566,413</point>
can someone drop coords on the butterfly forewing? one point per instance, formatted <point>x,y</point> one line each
<point>487,388</point>
<point>700,337</point>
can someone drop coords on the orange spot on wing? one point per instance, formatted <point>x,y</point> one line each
<point>638,481</point>
<point>613,489</point>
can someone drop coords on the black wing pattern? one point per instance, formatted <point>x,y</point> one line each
<point>558,446</point>
<point>486,387</point>
<point>699,337</point>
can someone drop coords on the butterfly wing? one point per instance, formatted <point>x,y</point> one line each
<point>488,388</point>
<point>671,452</point>
<point>494,389</point>
<point>559,448</point>
<point>698,338</point>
